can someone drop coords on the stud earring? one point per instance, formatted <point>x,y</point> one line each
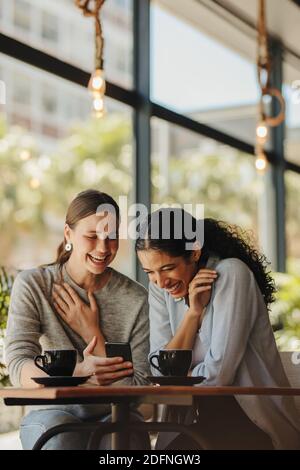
<point>68,247</point>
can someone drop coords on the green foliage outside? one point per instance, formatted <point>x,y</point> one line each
<point>225,184</point>
<point>285,315</point>
<point>35,185</point>
<point>6,282</point>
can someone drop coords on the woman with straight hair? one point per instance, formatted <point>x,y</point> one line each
<point>79,302</point>
<point>210,291</point>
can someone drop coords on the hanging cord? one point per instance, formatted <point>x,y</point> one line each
<point>263,59</point>
<point>264,70</point>
<point>99,39</point>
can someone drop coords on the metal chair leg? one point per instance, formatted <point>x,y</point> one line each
<point>153,426</point>
<point>106,428</point>
<point>99,429</point>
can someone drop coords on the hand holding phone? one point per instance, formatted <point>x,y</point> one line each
<point>119,350</point>
<point>103,370</point>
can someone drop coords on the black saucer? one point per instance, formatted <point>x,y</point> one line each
<point>60,381</point>
<point>175,380</point>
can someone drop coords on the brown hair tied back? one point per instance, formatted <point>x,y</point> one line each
<point>85,203</point>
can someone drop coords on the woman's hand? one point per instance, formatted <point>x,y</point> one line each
<point>104,370</point>
<point>82,318</point>
<point>200,290</point>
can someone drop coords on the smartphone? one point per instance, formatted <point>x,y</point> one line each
<point>119,350</point>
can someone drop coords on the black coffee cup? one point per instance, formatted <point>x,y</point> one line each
<point>176,362</point>
<point>57,362</point>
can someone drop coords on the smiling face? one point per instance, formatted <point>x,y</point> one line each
<point>94,243</point>
<point>173,274</point>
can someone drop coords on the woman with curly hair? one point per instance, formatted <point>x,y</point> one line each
<point>210,291</point>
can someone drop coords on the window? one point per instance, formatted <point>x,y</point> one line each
<point>62,22</point>
<point>21,90</point>
<point>188,168</point>
<point>196,75</point>
<point>49,99</point>
<point>122,3</point>
<point>195,71</point>
<point>22,13</point>
<point>292,137</point>
<point>44,165</point>
<point>49,27</point>
<point>292,181</point>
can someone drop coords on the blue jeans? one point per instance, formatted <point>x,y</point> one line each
<point>38,421</point>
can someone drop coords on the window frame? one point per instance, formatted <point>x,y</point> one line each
<point>138,98</point>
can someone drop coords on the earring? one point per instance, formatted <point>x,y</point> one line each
<point>68,247</point>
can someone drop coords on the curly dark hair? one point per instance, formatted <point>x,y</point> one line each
<point>223,239</point>
<point>231,241</point>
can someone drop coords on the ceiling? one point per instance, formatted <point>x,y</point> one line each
<point>233,22</point>
<point>283,18</point>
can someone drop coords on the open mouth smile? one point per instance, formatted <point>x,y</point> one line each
<point>174,288</point>
<point>98,260</point>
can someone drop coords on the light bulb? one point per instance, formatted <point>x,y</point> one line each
<point>262,132</point>
<point>97,83</point>
<point>98,107</point>
<point>261,162</point>
<point>97,88</point>
<point>98,104</point>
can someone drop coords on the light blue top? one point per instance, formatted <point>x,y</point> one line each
<point>234,346</point>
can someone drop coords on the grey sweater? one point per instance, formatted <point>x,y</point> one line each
<point>34,326</point>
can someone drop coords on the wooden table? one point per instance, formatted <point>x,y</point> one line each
<point>120,399</point>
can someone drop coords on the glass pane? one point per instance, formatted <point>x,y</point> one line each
<point>292,181</point>
<point>285,312</point>
<point>50,149</point>
<point>21,15</point>
<point>190,169</point>
<point>292,137</point>
<point>198,76</point>
<point>50,27</point>
<point>59,28</point>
